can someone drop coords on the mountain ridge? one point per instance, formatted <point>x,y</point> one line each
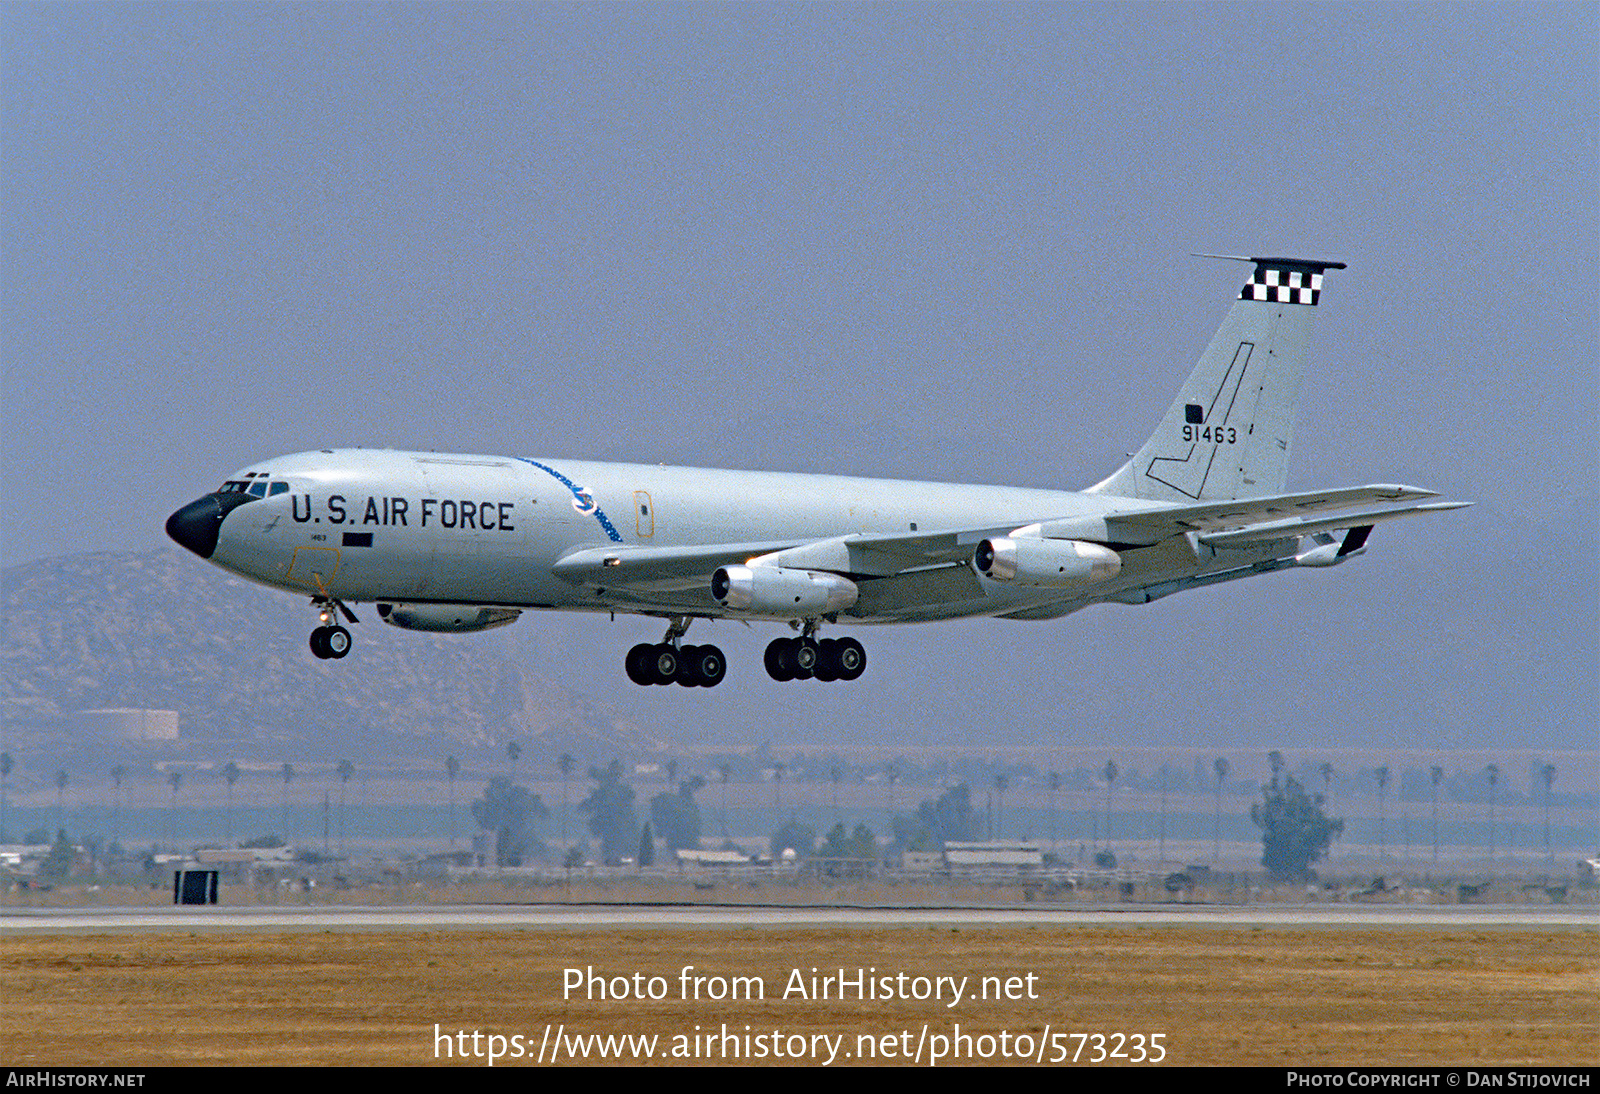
<point>150,629</point>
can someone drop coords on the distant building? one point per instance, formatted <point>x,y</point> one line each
<point>993,855</point>
<point>127,724</point>
<point>22,857</point>
<point>440,864</point>
<point>243,856</point>
<point>696,857</point>
<point>921,862</point>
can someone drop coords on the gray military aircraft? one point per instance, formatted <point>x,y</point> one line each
<point>456,543</point>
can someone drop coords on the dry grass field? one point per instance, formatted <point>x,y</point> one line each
<point>1321,996</point>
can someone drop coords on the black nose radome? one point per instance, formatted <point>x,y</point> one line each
<point>197,524</point>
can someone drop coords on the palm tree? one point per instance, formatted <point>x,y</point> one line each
<point>1055,810</point>
<point>345,770</point>
<point>833,781</point>
<point>1001,785</point>
<point>287,772</point>
<point>1161,839</point>
<point>1221,768</point>
<point>118,774</point>
<point>891,775</point>
<point>1381,774</point>
<point>1110,772</point>
<point>1492,772</point>
<point>1547,775</point>
<point>1327,773</point>
<point>1435,777</point>
<point>6,765</point>
<point>174,780</point>
<point>452,768</point>
<point>568,765</point>
<point>61,801</point>
<point>513,753</point>
<point>724,770</point>
<point>230,772</point>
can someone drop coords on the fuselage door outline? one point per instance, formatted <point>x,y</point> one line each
<point>312,568</point>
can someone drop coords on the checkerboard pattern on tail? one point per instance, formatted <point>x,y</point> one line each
<point>1279,285</point>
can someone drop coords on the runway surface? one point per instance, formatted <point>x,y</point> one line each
<point>570,916</point>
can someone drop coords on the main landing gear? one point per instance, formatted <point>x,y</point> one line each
<point>801,658</point>
<point>670,662</point>
<point>331,640</point>
<point>804,658</point>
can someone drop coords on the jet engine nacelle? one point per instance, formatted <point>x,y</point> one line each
<point>445,618</point>
<point>1325,555</point>
<point>1046,563</point>
<point>781,591</point>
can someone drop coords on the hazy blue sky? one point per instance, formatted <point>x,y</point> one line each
<point>924,241</point>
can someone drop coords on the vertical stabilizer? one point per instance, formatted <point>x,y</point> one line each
<point>1228,433</point>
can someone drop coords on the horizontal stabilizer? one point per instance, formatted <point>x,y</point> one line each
<point>1271,531</point>
<point>1144,526</point>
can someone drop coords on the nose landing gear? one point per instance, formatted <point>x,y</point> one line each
<point>331,641</point>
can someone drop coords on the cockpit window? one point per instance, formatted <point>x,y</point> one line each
<point>256,487</point>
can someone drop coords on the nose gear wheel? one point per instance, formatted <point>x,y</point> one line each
<point>330,642</point>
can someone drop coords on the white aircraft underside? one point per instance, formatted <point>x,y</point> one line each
<point>444,542</point>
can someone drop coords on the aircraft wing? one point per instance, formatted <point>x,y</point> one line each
<point>884,554</point>
<point>666,569</point>
<point>658,568</point>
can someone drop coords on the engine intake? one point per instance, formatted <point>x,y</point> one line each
<point>1046,563</point>
<point>782,592</point>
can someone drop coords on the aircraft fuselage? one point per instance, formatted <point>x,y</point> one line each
<point>412,527</point>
